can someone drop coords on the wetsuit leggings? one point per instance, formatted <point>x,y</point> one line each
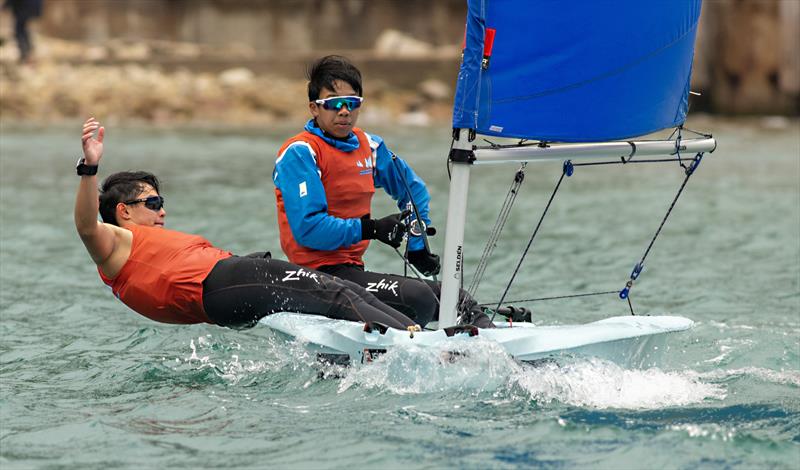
<point>416,298</point>
<point>242,289</point>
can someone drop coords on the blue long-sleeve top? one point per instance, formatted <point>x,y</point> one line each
<point>307,210</point>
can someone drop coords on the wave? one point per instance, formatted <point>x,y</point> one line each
<point>486,369</point>
<point>781,377</point>
<point>483,370</point>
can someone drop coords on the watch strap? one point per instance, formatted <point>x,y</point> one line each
<point>85,170</point>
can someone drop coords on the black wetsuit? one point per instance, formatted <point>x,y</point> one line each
<point>242,289</point>
<point>416,298</point>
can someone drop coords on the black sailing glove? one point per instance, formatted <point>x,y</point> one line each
<point>426,262</point>
<point>389,230</point>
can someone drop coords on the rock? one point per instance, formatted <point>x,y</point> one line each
<point>241,50</point>
<point>95,53</point>
<point>77,79</point>
<point>132,52</point>
<point>236,77</point>
<point>414,118</point>
<point>435,90</point>
<point>393,43</point>
<point>9,52</point>
<point>372,116</point>
<point>186,50</point>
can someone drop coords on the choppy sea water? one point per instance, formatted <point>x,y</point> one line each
<point>86,383</point>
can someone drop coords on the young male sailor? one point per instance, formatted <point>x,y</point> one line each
<point>325,178</point>
<point>174,277</point>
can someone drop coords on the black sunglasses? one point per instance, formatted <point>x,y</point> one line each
<point>154,203</point>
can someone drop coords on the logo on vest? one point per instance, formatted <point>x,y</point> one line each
<point>367,164</point>
<point>383,284</point>
<point>300,273</point>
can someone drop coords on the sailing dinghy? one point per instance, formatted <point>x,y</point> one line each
<point>574,85</point>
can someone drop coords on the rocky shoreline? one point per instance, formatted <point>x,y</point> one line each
<point>139,82</point>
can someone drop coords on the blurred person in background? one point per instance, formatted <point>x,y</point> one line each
<point>23,11</point>
<point>325,178</point>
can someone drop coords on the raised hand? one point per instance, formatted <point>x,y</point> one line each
<point>92,146</point>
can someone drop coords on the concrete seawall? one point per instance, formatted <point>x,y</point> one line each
<point>747,59</point>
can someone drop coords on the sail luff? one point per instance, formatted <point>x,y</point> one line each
<point>465,101</point>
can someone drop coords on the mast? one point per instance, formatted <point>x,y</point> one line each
<point>461,157</point>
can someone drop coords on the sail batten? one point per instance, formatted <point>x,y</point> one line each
<point>576,71</point>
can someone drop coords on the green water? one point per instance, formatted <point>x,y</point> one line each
<point>86,383</point>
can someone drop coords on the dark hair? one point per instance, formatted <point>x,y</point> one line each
<point>327,70</point>
<point>121,187</point>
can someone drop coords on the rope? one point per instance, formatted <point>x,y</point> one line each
<point>416,273</point>
<point>494,236</point>
<point>420,223</point>
<point>567,170</point>
<point>537,299</point>
<point>689,172</point>
<point>530,242</point>
<point>407,265</point>
<point>625,162</point>
<point>404,255</point>
<point>625,293</point>
<point>447,162</point>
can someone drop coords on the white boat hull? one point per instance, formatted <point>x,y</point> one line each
<point>630,341</point>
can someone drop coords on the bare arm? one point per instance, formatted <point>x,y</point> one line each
<point>99,238</point>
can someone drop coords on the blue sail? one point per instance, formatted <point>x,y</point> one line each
<point>576,71</point>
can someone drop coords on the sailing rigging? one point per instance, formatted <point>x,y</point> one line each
<point>578,86</point>
<point>590,77</point>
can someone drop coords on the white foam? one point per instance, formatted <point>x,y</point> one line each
<point>600,384</point>
<point>487,369</point>
<point>416,370</point>
<point>234,369</point>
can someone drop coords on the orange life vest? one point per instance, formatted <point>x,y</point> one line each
<point>163,277</point>
<point>347,191</point>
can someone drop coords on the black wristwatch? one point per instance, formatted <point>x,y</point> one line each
<point>85,170</point>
